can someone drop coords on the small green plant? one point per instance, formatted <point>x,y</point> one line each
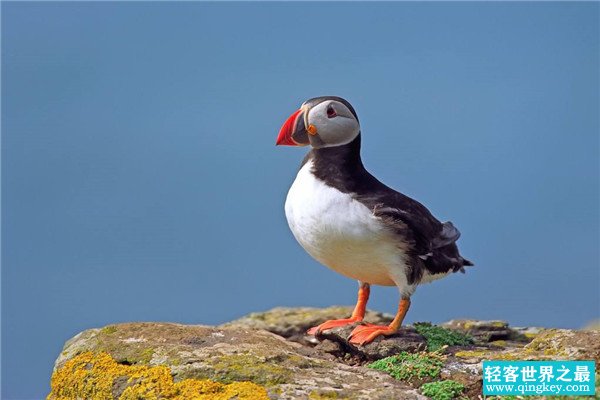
<point>437,337</point>
<point>409,367</point>
<point>442,390</point>
<point>107,330</point>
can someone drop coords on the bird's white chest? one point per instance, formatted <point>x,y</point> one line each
<point>340,232</point>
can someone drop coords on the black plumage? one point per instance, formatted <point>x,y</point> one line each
<point>431,243</point>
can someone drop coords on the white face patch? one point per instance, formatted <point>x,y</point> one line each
<point>335,123</point>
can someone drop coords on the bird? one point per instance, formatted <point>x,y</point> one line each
<point>349,221</point>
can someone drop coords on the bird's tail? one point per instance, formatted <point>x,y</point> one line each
<point>465,263</point>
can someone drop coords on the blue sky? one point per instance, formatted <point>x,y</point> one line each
<point>140,181</point>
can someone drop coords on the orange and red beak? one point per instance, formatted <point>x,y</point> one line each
<point>293,132</point>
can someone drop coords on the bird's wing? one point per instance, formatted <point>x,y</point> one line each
<point>432,241</point>
<point>414,222</point>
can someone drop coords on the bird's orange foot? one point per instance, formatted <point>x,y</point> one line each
<point>364,334</point>
<point>334,323</point>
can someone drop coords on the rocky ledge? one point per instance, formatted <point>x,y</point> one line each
<point>268,356</point>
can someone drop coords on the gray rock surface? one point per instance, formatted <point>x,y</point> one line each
<point>292,323</point>
<point>271,350</point>
<point>286,369</point>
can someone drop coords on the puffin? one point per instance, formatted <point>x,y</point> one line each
<point>349,221</point>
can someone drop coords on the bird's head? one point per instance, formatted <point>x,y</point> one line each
<point>321,122</point>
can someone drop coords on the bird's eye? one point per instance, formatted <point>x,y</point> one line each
<point>331,112</point>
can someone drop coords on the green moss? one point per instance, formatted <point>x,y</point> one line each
<point>107,330</point>
<point>442,390</point>
<point>146,356</point>
<point>323,395</point>
<point>472,354</point>
<point>410,367</point>
<point>248,367</point>
<point>175,361</point>
<point>136,353</point>
<point>437,337</point>
<point>468,325</point>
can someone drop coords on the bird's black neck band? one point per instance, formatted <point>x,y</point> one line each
<point>338,165</point>
<point>347,155</point>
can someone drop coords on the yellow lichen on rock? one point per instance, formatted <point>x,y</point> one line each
<point>471,353</point>
<point>98,376</point>
<point>206,389</point>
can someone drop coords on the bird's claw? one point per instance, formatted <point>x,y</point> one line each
<point>365,334</point>
<point>334,323</point>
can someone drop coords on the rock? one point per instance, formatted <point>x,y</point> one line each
<point>98,376</point>
<point>483,331</point>
<point>565,344</point>
<point>292,323</point>
<point>464,365</point>
<point>528,332</point>
<point>268,355</point>
<point>549,344</point>
<point>407,339</point>
<point>592,326</point>
<point>228,355</point>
